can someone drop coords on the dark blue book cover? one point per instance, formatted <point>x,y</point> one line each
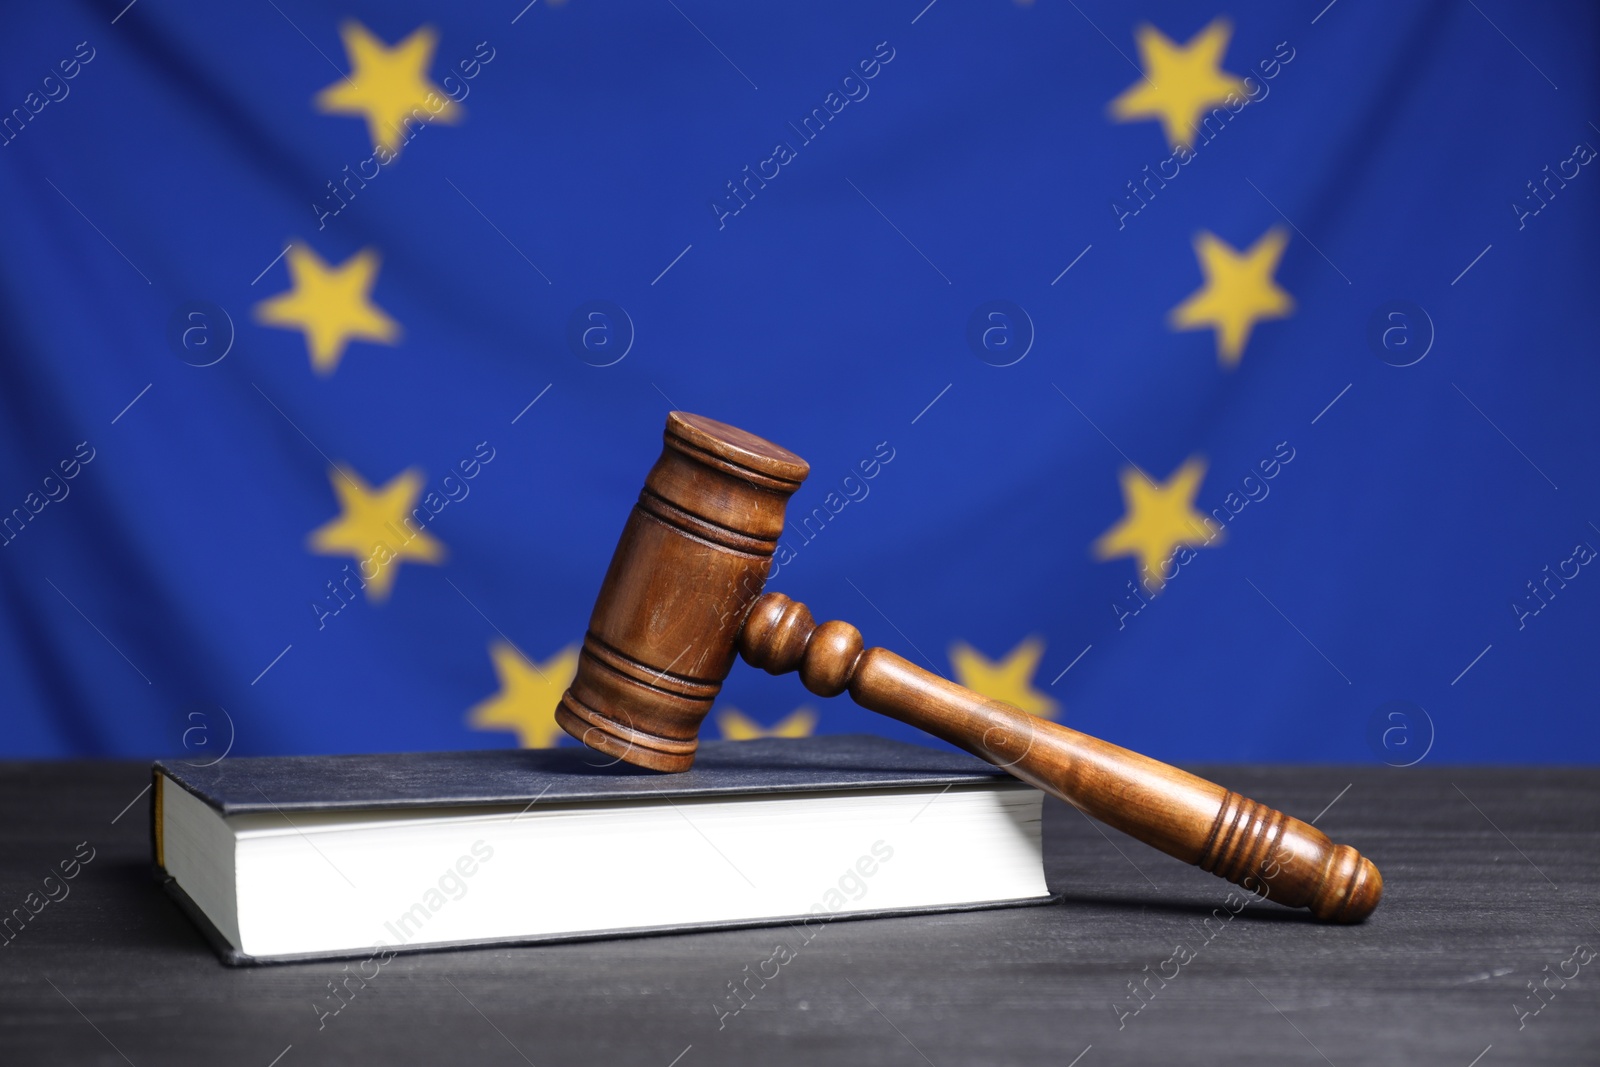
<point>266,784</point>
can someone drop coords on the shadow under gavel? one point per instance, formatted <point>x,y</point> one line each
<point>684,591</point>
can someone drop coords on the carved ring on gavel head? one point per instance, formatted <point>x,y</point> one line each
<point>684,592</point>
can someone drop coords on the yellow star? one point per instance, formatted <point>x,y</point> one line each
<point>1239,291</point>
<point>1160,521</point>
<point>529,693</point>
<point>330,305</point>
<point>1009,681</point>
<point>377,528</point>
<point>388,86</point>
<point>737,726</point>
<point>1181,82</point>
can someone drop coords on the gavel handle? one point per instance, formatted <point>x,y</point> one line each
<point>1263,850</point>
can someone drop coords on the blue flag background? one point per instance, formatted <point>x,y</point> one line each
<point>1217,381</point>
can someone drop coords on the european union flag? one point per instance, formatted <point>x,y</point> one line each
<point>1216,381</point>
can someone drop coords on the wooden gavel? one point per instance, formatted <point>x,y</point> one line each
<point>684,589</point>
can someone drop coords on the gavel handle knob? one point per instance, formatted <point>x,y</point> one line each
<point>1265,851</point>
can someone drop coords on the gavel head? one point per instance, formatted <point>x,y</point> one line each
<point>692,559</point>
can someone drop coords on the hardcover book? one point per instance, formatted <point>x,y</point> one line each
<point>299,857</point>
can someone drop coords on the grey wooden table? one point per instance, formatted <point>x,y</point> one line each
<point>1492,882</point>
